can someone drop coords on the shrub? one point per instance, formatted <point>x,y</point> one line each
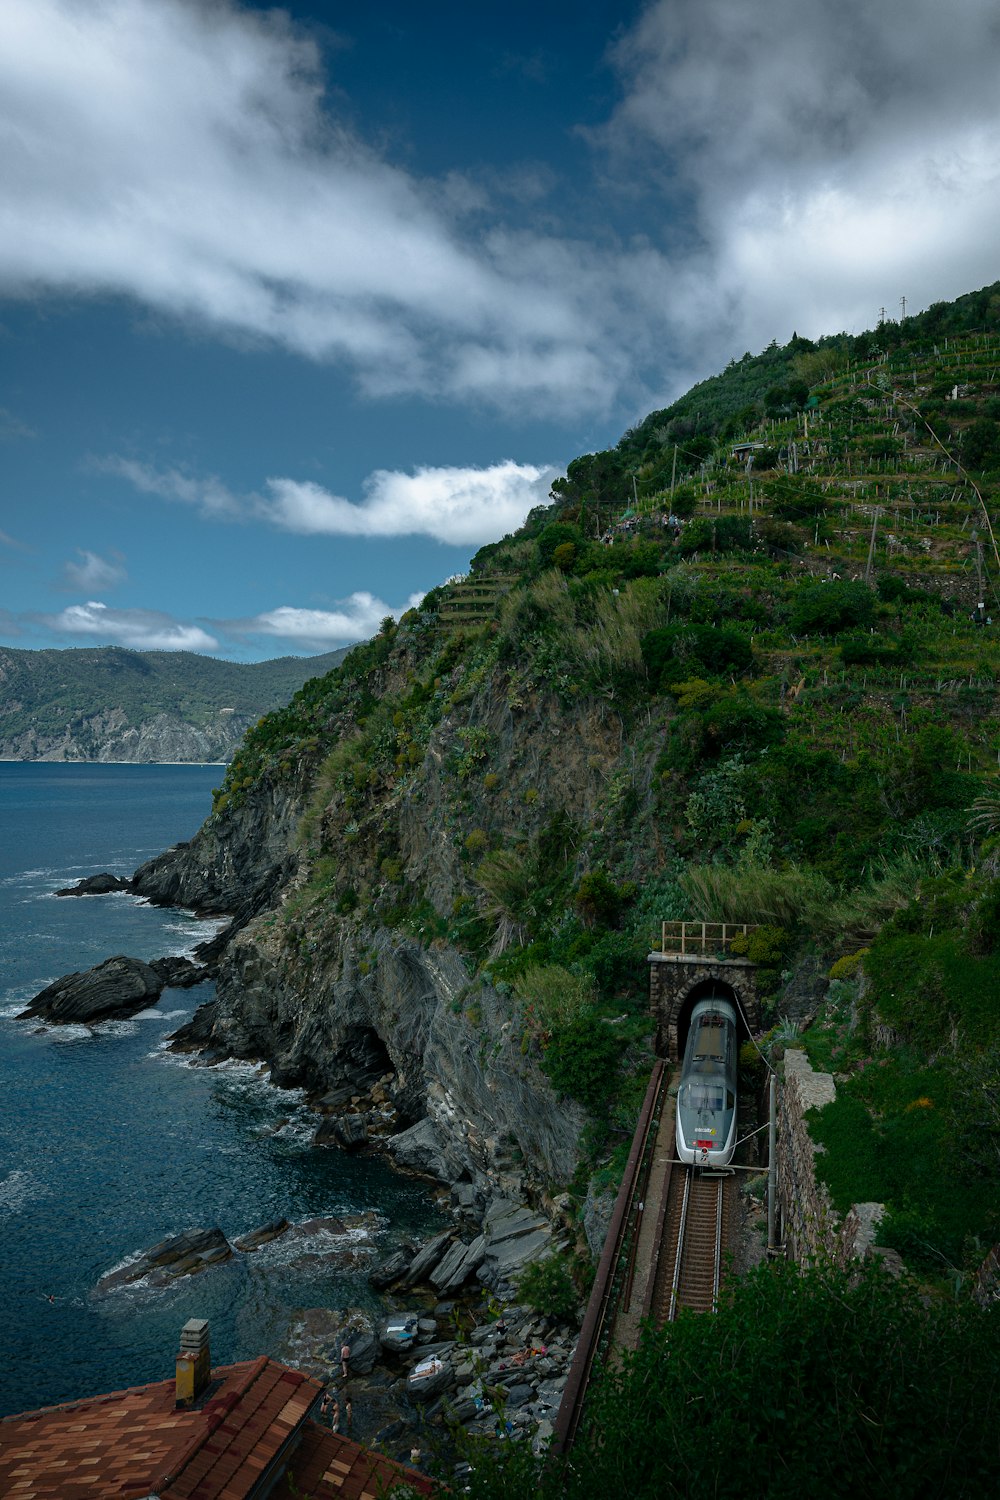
<point>784,898</point>
<point>556,995</point>
<point>865,650</point>
<point>721,534</point>
<point>557,535</point>
<point>738,724</point>
<point>582,1058</point>
<point>848,966</point>
<point>847,1375</point>
<point>598,900</point>
<point>670,653</point>
<point>546,1286</point>
<point>826,608</point>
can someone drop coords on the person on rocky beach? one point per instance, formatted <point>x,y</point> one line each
<point>345,1359</point>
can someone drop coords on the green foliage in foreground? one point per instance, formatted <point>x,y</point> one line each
<point>804,1384</point>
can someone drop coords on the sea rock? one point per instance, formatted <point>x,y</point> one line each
<point>325,1133</point>
<point>116,987</point>
<point>520,1394</point>
<point>467,1200</point>
<point>351,1131</point>
<point>458,1264</point>
<point>330,1224</point>
<point>394,1268</point>
<point>196,1035</point>
<point>236,864</point>
<point>261,1236</point>
<point>427,1257</point>
<point>419,1148</point>
<point>399,1331</point>
<point>429,1378</point>
<point>180,1255</point>
<point>335,1099</point>
<point>514,1236</point>
<point>179,973</point>
<point>364,1349</point>
<point>96,885</point>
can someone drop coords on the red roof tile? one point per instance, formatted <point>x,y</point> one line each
<point>132,1443</point>
<point>329,1467</point>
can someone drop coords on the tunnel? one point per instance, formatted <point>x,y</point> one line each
<point>704,989</point>
<point>677,983</point>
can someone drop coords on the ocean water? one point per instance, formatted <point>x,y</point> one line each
<point>108,1142</point>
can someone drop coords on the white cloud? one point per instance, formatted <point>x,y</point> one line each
<point>453,505</point>
<point>833,158</point>
<point>457,506</point>
<point>141,629</point>
<point>212,498</point>
<point>184,154</point>
<point>356,619</point>
<point>791,164</point>
<point>93,572</point>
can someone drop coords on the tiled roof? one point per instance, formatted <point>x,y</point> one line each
<point>133,1443</point>
<point>327,1467</point>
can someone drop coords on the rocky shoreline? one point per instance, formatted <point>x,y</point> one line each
<point>437,1360</point>
<point>441,1358</point>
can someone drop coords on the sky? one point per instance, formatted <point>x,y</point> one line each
<point>300,307</point>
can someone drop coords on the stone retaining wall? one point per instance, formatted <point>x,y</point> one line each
<point>812,1228</point>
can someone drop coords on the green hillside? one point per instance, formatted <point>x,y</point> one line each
<point>62,692</point>
<point>804,691</point>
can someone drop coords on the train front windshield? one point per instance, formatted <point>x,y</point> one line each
<point>706,1096</point>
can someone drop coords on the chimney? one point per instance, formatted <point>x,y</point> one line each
<point>194,1362</point>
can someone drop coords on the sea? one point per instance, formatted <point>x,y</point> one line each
<point>110,1142</point>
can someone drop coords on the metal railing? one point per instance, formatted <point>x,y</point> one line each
<point>614,1274</point>
<point>701,938</point>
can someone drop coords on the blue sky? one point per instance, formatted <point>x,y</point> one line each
<point>298,308</point>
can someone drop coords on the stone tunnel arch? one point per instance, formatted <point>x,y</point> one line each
<point>677,982</point>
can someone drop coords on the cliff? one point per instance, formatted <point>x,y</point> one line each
<point>761,696</point>
<point>108,704</point>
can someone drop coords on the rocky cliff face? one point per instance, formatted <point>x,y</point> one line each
<point>237,862</point>
<point>335,977</point>
<point>366,999</point>
<point>329,997</point>
<point>107,736</point>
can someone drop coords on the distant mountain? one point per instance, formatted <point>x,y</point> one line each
<point>108,704</point>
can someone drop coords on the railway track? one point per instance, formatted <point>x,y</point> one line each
<point>695,1235</point>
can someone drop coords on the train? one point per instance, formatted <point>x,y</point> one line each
<point>706,1098</point>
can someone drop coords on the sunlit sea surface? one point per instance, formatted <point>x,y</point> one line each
<point>109,1143</point>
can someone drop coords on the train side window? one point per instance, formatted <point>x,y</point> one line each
<point>730,1099</point>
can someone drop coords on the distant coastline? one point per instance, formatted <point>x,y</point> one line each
<point>18,760</point>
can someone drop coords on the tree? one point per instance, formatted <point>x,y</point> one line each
<point>804,1384</point>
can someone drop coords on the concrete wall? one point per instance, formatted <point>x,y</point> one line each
<point>812,1227</point>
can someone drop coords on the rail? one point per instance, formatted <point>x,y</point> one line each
<point>616,1264</point>
<point>675,1280</point>
<point>690,1271</point>
<point>700,938</point>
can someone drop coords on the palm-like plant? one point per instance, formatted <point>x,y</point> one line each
<point>985,817</point>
